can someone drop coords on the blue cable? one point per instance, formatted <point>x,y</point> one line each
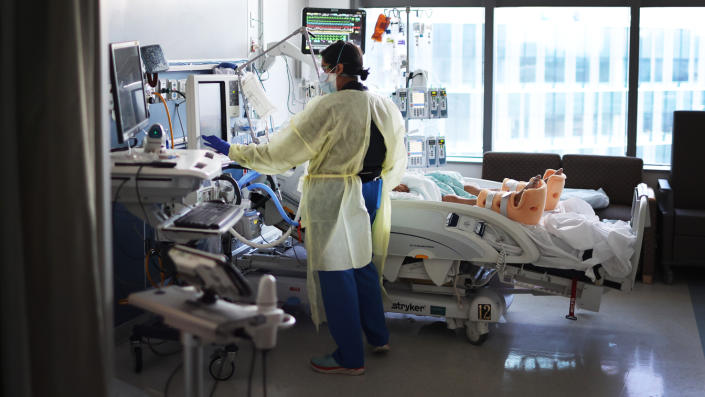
<point>247,178</point>
<point>274,197</point>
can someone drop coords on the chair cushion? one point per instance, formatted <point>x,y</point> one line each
<point>688,250</point>
<point>689,222</point>
<point>616,175</point>
<point>520,166</point>
<point>615,211</point>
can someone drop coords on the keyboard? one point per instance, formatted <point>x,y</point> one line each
<point>208,215</point>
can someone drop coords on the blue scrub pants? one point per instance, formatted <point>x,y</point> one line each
<point>353,300</point>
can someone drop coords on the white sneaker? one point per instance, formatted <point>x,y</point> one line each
<point>381,349</point>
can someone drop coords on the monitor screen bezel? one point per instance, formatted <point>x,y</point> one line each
<point>351,11</point>
<point>223,106</point>
<point>122,134</point>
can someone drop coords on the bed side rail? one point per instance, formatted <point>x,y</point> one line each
<point>402,223</point>
<point>640,220</point>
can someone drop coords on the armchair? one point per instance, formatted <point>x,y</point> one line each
<point>681,199</point>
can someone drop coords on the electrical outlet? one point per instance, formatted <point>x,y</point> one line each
<point>173,87</point>
<point>182,87</point>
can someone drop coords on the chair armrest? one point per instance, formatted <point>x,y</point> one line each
<point>664,197</point>
<point>664,185</point>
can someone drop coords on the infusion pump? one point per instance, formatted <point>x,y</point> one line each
<point>425,152</point>
<point>421,103</point>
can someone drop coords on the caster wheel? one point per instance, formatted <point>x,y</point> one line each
<point>477,332</point>
<point>220,370</point>
<point>137,351</point>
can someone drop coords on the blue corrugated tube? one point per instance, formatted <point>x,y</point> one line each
<point>277,204</point>
<point>247,178</point>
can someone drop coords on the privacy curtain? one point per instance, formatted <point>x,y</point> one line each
<point>55,338</point>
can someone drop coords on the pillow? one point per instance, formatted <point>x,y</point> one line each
<point>596,198</point>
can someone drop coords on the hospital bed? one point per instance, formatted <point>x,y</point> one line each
<point>464,263</point>
<point>443,258</point>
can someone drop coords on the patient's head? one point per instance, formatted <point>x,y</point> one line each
<point>401,188</point>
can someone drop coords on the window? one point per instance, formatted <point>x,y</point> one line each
<point>547,54</point>
<point>515,114</point>
<point>644,56</point>
<point>527,63</point>
<point>470,53</point>
<point>681,53</point>
<point>560,74</point>
<point>658,52</point>
<point>676,83</point>
<point>605,58</point>
<point>578,113</point>
<point>555,115</point>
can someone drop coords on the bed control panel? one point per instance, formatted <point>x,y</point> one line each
<point>480,228</point>
<point>452,220</point>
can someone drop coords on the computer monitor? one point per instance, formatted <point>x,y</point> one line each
<point>129,100</point>
<point>211,101</point>
<point>332,24</point>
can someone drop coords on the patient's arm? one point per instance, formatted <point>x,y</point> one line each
<point>452,198</point>
<point>472,189</point>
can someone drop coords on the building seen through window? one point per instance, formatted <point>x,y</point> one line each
<point>670,75</point>
<point>575,101</point>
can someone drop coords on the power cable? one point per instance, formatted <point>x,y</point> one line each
<point>264,373</point>
<point>252,370</point>
<point>139,196</point>
<point>170,378</point>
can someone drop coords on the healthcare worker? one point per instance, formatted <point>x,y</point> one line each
<point>354,142</point>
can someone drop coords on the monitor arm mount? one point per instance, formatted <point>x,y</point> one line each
<point>281,47</point>
<point>284,48</point>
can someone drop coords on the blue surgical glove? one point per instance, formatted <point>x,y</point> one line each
<point>216,143</point>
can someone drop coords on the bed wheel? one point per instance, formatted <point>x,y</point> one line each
<point>477,332</point>
<point>220,370</point>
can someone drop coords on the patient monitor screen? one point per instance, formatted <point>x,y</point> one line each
<point>329,25</point>
<point>211,109</point>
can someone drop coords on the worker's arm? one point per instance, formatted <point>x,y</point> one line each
<point>395,162</point>
<point>297,143</point>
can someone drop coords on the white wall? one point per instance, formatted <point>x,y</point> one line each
<point>212,29</point>
<point>206,29</point>
<point>280,18</point>
<point>470,170</point>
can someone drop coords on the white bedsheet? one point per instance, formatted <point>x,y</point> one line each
<point>564,235</point>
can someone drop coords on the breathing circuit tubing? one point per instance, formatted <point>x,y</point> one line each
<point>292,223</point>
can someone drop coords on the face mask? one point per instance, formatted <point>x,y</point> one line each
<point>327,83</point>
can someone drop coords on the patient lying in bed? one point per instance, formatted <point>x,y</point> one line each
<point>520,201</point>
<point>570,236</point>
